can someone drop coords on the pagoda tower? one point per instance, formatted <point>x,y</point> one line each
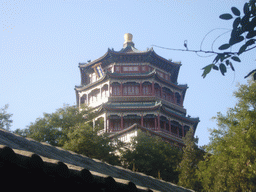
<point>133,90</point>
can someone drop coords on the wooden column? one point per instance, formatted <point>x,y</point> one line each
<point>161,91</point>
<point>110,125</point>
<point>122,122</point>
<point>78,99</point>
<point>105,122</point>
<point>110,87</point>
<point>87,99</point>
<point>182,127</point>
<point>173,97</point>
<point>181,101</point>
<point>140,89</point>
<point>140,68</point>
<point>121,89</point>
<point>153,88</point>
<point>107,125</point>
<point>158,118</point>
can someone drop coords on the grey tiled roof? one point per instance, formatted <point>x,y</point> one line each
<point>62,167</point>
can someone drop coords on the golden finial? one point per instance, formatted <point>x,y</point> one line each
<point>127,37</point>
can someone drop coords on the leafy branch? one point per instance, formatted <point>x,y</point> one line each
<point>243,32</point>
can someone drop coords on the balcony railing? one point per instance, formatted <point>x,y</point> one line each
<point>171,133</point>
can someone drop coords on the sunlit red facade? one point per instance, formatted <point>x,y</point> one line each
<point>130,87</point>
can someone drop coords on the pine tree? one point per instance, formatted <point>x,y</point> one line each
<point>188,165</point>
<point>231,165</point>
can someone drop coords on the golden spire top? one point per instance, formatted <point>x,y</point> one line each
<point>128,40</point>
<point>127,37</point>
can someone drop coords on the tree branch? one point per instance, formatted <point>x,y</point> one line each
<point>188,50</point>
<point>202,51</point>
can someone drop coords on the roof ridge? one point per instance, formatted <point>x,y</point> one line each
<point>22,148</point>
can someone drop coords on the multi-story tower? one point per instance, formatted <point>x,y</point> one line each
<point>130,87</point>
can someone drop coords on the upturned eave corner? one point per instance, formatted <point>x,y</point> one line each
<point>129,87</point>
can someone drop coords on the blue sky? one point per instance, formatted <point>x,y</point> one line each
<point>42,42</point>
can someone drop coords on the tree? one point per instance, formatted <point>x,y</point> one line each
<point>71,127</point>
<point>243,34</point>
<point>153,156</point>
<point>84,139</point>
<point>54,127</point>
<point>190,159</point>
<point>5,118</point>
<point>231,164</point>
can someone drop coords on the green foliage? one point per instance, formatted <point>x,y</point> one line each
<point>190,159</point>
<point>71,128</point>
<point>83,139</point>
<point>225,46</point>
<point>22,132</point>
<point>54,127</point>
<point>226,16</point>
<point>244,31</point>
<point>153,156</point>
<point>223,69</point>
<point>231,164</point>
<point>5,118</point>
<point>207,69</point>
<point>235,11</point>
